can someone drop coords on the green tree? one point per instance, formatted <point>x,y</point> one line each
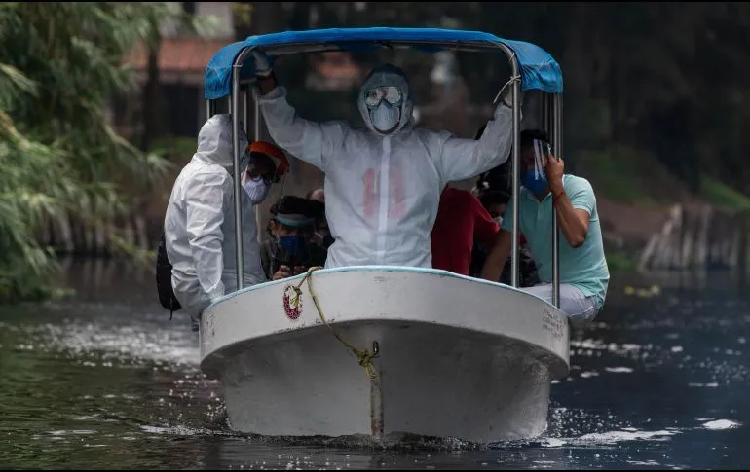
<point>60,64</point>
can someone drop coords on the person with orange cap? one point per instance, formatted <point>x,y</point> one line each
<point>199,229</point>
<point>266,164</point>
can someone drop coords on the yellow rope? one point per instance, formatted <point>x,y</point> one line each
<point>364,357</point>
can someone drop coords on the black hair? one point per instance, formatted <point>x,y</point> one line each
<point>296,205</point>
<point>529,135</point>
<point>493,196</point>
<point>289,205</point>
<point>495,183</point>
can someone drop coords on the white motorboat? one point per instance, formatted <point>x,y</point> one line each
<point>456,356</point>
<point>394,350</point>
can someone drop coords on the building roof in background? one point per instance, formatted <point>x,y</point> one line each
<point>186,54</point>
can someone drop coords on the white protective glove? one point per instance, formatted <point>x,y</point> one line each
<point>506,95</point>
<point>262,64</point>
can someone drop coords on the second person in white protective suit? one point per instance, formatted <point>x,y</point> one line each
<point>382,184</point>
<point>199,227</point>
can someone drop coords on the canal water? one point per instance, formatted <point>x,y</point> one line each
<point>106,380</point>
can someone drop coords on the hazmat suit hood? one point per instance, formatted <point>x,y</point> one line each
<point>387,75</point>
<point>215,142</point>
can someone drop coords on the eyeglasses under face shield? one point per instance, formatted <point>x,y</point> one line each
<point>262,166</point>
<point>374,96</point>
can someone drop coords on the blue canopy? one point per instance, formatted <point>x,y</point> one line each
<point>539,71</point>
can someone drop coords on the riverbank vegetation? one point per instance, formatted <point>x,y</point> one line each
<point>60,65</point>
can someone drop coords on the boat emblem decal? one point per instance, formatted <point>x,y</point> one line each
<point>292,305</point>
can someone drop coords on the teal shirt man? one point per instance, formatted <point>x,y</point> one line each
<point>584,275</point>
<point>584,267</point>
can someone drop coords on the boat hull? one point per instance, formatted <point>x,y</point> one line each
<point>457,357</point>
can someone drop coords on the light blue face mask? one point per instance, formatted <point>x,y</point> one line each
<point>256,189</point>
<point>384,117</point>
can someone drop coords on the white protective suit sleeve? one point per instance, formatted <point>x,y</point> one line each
<point>314,143</point>
<point>461,158</point>
<point>205,215</point>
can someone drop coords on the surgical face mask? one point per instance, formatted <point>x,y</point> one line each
<point>498,220</point>
<point>384,117</point>
<point>535,183</point>
<point>256,189</point>
<point>292,245</point>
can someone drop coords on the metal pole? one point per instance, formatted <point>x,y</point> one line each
<point>245,108</point>
<point>256,136</point>
<point>257,115</point>
<point>546,115</point>
<point>557,145</point>
<point>210,108</point>
<point>516,94</point>
<point>236,151</point>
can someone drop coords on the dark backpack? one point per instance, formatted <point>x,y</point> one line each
<point>164,279</point>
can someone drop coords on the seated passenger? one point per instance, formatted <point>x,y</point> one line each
<point>290,250</point>
<point>460,220</point>
<point>584,275</point>
<point>199,227</point>
<point>495,202</point>
<point>492,190</point>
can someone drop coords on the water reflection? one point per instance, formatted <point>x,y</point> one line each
<point>106,380</point>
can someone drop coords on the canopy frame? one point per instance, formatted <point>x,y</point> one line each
<point>552,123</point>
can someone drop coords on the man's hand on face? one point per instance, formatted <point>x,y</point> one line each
<point>554,167</point>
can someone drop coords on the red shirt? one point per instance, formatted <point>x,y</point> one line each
<point>460,219</point>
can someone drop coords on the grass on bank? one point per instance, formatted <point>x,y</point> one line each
<point>718,193</point>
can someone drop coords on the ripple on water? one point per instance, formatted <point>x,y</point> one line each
<point>150,398</point>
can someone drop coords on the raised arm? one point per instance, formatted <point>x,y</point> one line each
<point>461,158</point>
<point>574,205</point>
<point>315,143</point>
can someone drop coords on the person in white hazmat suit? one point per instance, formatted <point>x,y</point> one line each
<point>382,184</point>
<point>199,227</point>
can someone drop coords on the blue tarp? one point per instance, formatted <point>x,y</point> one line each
<point>539,71</point>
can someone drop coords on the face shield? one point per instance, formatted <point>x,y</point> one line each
<point>266,165</point>
<point>535,179</point>
<point>541,150</point>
